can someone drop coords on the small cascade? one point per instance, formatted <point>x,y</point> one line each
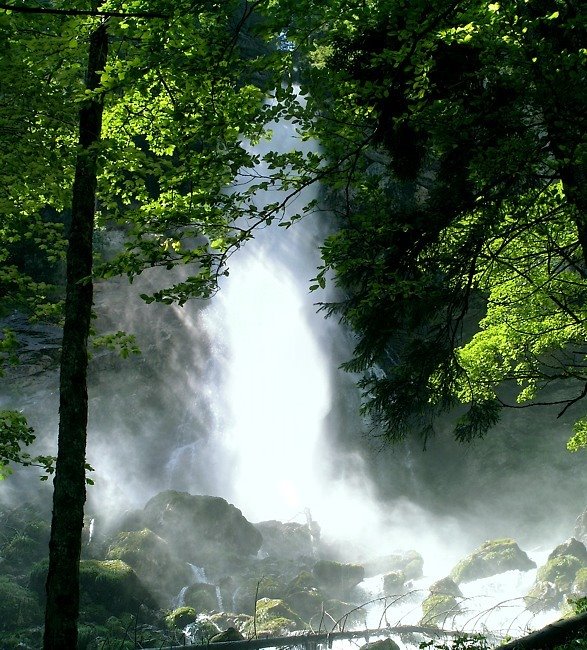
<point>198,577</point>
<point>219,599</point>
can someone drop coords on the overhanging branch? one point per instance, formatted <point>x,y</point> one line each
<point>80,12</point>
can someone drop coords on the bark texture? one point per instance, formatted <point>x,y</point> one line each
<point>69,494</point>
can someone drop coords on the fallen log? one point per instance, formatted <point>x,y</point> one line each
<point>557,633</point>
<point>311,639</point>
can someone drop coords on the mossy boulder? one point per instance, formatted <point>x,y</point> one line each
<point>107,588</point>
<point>180,617</point>
<point>275,617</point>
<point>290,539</point>
<point>382,644</point>
<point>19,607</point>
<point>394,583</point>
<point>338,578</point>
<point>446,586</point>
<point>151,558</point>
<point>492,557</point>
<point>198,527</point>
<point>560,571</point>
<point>231,634</point>
<point>225,620</point>
<point>350,614</point>
<point>202,597</point>
<point>554,581</point>
<point>306,603</point>
<point>439,608</point>
<point>410,563</point>
<point>571,547</point>
<point>201,630</point>
<point>254,588</point>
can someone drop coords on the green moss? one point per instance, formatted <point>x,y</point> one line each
<point>180,617</point>
<point>580,582</point>
<point>338,576</point>
<point>231,634</point>
<point>492,557</point>
<point>437,608</point>
<point>561,571</point>
<point>18,606</point>
<point>275,617</point>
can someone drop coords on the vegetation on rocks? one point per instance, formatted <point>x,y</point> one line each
<point>438,609</point>
<point>492,557</point>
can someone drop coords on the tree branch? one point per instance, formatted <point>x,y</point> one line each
<point>80,12</point>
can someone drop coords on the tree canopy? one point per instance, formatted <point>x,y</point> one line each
<point>462,248</point>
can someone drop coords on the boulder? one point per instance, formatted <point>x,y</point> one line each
<point>231,634</point>
<point>492,557</point>
<point>153,561</point>
<point>289,540</point>
<point>554,581</point>
<point>336,577</point>
<point>180,617</point>
<point>200,631</point>
<point>199,527</point>
<point>571,547</point>
<point>107,588</point>
<point>382,644</point>
<point>394,583</point>
<point>410,563</point>
<point>202,597</point>
<point>274,618</point>
<point>446,586</point>
<point>439,608</point>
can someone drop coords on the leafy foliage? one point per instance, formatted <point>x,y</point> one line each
<point>459,137</point>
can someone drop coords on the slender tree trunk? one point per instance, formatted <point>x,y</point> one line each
<point>69,494</point>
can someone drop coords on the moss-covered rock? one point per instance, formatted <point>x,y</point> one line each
<point>225,620</point>
<point>273,616</point>
<point>180,617</point>
<point>288,539</point>
<point>338,578</point>
<point>394,583</point>
<point>19,607</point>
<point>382,644</point>
<point>492,557</point>
<point>202,597</point>
<point>254,588</point>
<point>438,608</point>
<point>198,527</point>
<point>231,634</point>
<point>571,547</point>
<point>410,563</point>
<point>554,582</point>
<point>560,571</point>
<point>347,613</point>
<point>446,586</point>
<point>151,558</point>
<point>24,532</point>
<point>201,630</point>
<point>107,588</point>
<point>306,603</point>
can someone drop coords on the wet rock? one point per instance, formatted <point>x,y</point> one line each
<point>542,597</point>
<point>199,527</point>
<point>580,583</point>
<point>554,581</point>
<point>154,563</point>
<point>410,562</point>
<point>394,582</point>
<point>202,597</point>
<point>492,557</point>
<point>231,634</point>
<point>439,609</point>
<point>446,586</point>
<point>572,547</point>
<point>180,617</point>
<point>274,617</point>
<point>383,644</point>
<point>291,540</point>
<point>336,577</point>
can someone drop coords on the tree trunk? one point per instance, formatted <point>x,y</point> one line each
<point>552,635</point>
<point>69,494</point>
